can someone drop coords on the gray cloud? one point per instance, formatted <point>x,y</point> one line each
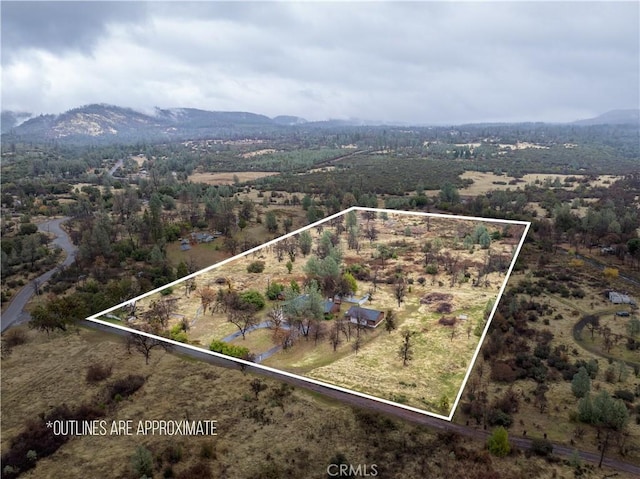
<point>61,26</point>
<point>429,62</point>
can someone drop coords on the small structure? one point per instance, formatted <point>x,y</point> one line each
<point>619,298</point>
<point>331,307</point>
<point>370,318</point>
<point>358,301</point>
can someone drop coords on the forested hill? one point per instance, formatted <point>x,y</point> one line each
<point>102,124</point>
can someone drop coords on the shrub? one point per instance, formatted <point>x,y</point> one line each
<point>173,453</point>
<point>625,395</point>
<point>541,447</point>
<point>229,349</point>
<point>254,298</point>
<point>124,387</point>
<point>274,290</point>
<point>98,372</point>
<point>142,462</point>
<point>13,338</point>
<point>199,469</point>
<point>502,372</point>
<point>177,333</point>
<point>497,417</point>
<point>256,267</point>
<point>498,443</point>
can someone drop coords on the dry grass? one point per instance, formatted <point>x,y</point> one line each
<point>439,363</point>
<point>227,178</point>
<point>302,437</point>
<point>484,182</point>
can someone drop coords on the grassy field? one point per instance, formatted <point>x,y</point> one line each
<point>227,178</point>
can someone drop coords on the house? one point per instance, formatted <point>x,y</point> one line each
<point>368,317</point>
<point>331,307</point>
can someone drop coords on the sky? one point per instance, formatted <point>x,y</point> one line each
<point>408,62</point>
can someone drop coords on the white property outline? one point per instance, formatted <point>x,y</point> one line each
<point>526,224</point>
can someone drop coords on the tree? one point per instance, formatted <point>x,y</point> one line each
<point>305,242</point>
<point>334,335</point>
<point>58,313</point>
<point>390,321</point>
<point>406,349</point>
<point>593,324</point>
<point>384,253</point>
<point>400,291</point>
<point>271,222</point>
<point>357,344</point>
<point>287,223</point>
<point>499,442</point>
<point>633,327</point>
<point>581,383</point>
<point>610,273</point>
<point>244,319</point>
<point>207,297</point>
<point>257,386</point>
<point>606,413</point>
<point>449,194</point>
<point>144,344</point>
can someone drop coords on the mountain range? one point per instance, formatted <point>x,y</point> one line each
<point>102,123</point>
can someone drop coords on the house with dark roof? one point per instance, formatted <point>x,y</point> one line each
<point>365,316</point>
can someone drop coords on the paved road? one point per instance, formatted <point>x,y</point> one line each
<point>15,314</point>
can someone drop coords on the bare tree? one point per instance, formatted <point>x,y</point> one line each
<point>357,344</point>
<point>276,318</point>
<point>243,319</point>
<point>145,344</point>
<point>158,315</point>
<point>400,290</point>
<point>334,335</point>
<point>406,349</point>
<point>319,332</point>
<point>207,296</point>
<point>257,386</point>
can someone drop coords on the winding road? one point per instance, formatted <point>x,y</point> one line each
<point>15,314</point>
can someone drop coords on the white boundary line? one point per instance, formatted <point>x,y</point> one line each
<point>94,318</point>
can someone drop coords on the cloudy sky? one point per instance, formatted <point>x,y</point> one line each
<point>416,62</point>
